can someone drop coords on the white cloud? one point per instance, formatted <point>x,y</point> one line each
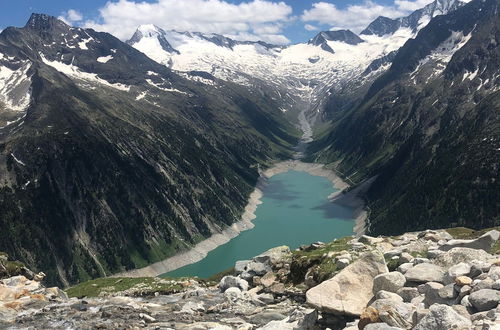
<point>71,16</point>
<point>310,27</point>
<point>411,5</point>
<point>357,17</point>
<point>258,19</point>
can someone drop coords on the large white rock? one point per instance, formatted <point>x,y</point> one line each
<point>348,292</point>
<point>443,317</point>
<point>485,242</point>
<point>425,272</point>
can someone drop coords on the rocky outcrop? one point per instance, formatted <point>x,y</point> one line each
<point>405,282</point>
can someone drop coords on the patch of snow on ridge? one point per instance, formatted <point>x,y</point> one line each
<point>17,160</point>
<point>288,67</point>
<point>75,72</point>
<point>15,87</point>
<point>83,44</point>
<point>441,55</point>
<point>173,90</point>
<point>104,59</point>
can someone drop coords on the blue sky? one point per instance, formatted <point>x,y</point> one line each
<point>272,21</point>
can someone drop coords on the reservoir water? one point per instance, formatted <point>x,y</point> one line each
<point>295,210</point>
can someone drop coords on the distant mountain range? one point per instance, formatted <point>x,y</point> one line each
<point>115,155</point>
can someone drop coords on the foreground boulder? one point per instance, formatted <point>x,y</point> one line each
<point>349,291</point>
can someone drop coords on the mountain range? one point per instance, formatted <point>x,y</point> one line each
<point>114,155</point>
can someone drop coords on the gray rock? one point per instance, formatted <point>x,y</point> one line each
<point>485,299</point>
<point>443,317</point>
<point>496,285</point>
<point>342,263</point>
<point>462,254</point>
<point>380,326</point>
<point>408,294</point>
<point>433,294</point>
<point>433,254</point>
<point>466,303</point>
<point>257,268</point>
<point>388,295</point>
<point>394,313</point>
<point>417,261</point>
<point>233,293</point>
<point>306,318</point>
<point>348,292</point>
<point>425,272</point>
<point>392,253</point>
<point>240,266</point>
<point>370,240</point>
<point>391,282</point>
<point>192,307</point>
<point>403,268</point>
<point>266,317</point>
<point>485,242</point>
<point>266,298</point>
<point>405,257</point>
<point>448,292</point>
<point>478,268</point>
<point>232,282</point>
<point>494,273</point>
<point>274,255</point>
<point>487,283</point>
<point>461,269</point>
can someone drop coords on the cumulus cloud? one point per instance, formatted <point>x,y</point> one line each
<point>71,16</point>
<point>255,20</point>
<point>310,27</point>
<point>357,17</point>
<point>411,5</point>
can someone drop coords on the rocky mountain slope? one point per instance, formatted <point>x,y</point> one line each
<point>428,128</point>
<point>109,161</point>
<point>432,280</point>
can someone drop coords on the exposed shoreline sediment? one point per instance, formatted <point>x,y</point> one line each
<point>200,250</point>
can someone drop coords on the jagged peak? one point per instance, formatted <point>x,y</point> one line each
<point>346,36</point>
<point>44,22</point>
<point>150,30</point>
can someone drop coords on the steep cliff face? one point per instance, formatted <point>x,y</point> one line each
<point>429,128</point>
<point>115,162</point>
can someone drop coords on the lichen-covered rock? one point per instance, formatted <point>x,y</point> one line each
<point>443,317</point>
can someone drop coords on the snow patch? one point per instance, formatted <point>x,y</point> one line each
<point>15,87</point>
<point>441,55</point>
<point>83,44</point>
<point>104,59</point>
<point>173,90</point>
<point>75,72</point>
<point>17,160</point>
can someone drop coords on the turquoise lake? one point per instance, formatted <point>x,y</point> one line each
<point>295,210</point>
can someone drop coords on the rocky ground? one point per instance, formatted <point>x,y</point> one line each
<point>422,280</point>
